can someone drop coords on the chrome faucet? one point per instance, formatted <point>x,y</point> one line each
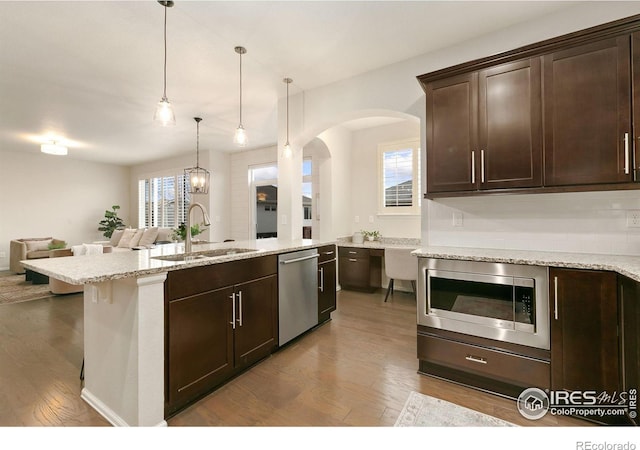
<point>207,222</point>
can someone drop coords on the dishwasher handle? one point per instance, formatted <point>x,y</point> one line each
<point>295,260</point>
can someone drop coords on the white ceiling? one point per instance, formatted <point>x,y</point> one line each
<point>92,71</point>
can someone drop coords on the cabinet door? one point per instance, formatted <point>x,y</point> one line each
<point>587,94</point>
<point>630,335</point>
<point>355,273</point>
<point>452,133</point>
<point>200,344</point>
<point>510,125</point>
<point>584,340</point>
<point>326,290</point>
<point>256,320</point>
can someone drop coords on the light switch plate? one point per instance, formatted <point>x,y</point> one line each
<point>458,219</point>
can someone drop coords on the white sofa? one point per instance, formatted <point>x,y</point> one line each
<point>128,238</point>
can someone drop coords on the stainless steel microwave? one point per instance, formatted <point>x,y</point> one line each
<point>505,302</point>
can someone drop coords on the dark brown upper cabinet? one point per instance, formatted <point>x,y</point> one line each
<point>562,115</point>
<point>452,133</point>
<point>510,126</point>
<point>587,97</point>
<point>484,129</point>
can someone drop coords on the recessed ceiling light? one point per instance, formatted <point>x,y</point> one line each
<point>53,148</point>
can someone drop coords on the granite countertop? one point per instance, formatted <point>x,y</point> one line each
<point>111,266</point>
<point>381,243</point>
<point>628,266</point>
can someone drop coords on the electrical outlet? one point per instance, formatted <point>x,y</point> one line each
<point>457,220</point>
<point>370,219</point>
<point>357,219</point>
<point>633,218</point>
<point>3,254</point>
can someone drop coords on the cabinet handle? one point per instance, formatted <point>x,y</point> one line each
<point>321,279</point>
<point>233,314</point>
<point>328,253</point>
<point>555,297</point>
<point>240,307</point>
<point>475,359</point>
<point>626,153</point>
<point>473,167</point>
<point>353,260</point>
<point>482,165</point>
<point>352,253</point>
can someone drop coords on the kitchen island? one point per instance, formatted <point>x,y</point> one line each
<point>124,319</point>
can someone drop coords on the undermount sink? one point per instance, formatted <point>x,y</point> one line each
<point>193,256</point>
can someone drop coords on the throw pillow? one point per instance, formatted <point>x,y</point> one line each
<point>38,245</point>
<point>164,235</point>
<point>115,237</point>
<point>127,236</point>
<point>148,237</point>
<point>136,238</point>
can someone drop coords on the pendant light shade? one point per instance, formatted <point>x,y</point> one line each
<point>164,111</point>
<point>287,152</point>
<point>240,138</point>
<point>199,178</point>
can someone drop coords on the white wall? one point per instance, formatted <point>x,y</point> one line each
<point>335,182</point>
<point>364,181</point>
<point>591,222</point>
<point>44,195</point>
<point>240,198</point>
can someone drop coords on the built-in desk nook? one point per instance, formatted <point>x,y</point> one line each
<point>361,266</point>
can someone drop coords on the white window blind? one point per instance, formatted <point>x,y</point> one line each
<point>399,177</point>
<point>163,201</point>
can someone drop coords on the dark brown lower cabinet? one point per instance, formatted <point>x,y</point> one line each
<point>201,344</point>
<point>326,282</point>
<point>629,296</point>
<point>490,365</point>
<point>584,330</point>
<point>360,268</point>
<point>215,334</point>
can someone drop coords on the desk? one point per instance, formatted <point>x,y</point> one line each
<point>360,266</point>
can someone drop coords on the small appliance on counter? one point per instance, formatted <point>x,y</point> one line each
<point>357,238</point>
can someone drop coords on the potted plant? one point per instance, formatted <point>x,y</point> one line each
<point>371,235</point>
<point>111,221</point>
<point>180,233</point>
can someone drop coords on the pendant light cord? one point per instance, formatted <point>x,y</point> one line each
<point>288,82</point>
<point>240,88</point>
<point>197,143</point>
<point>165,54</point>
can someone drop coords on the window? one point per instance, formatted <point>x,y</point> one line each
<point>264,187</point>
<point>399,177</point>
<point>163,201</point>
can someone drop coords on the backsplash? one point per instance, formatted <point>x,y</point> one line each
<point>585,222</point>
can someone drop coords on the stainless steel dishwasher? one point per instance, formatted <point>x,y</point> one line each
<point>297,293</point>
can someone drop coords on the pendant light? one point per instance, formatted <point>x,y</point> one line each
<point>197,176</point>
<point>287,152</point>
<point>240,137</point>
<point>164,111</point>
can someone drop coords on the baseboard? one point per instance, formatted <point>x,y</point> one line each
<point>106,412</point>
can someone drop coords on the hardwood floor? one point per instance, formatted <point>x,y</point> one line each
<point>356,370</point>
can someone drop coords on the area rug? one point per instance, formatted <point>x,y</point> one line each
<point>425,411</point>
<point>13,289</point>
